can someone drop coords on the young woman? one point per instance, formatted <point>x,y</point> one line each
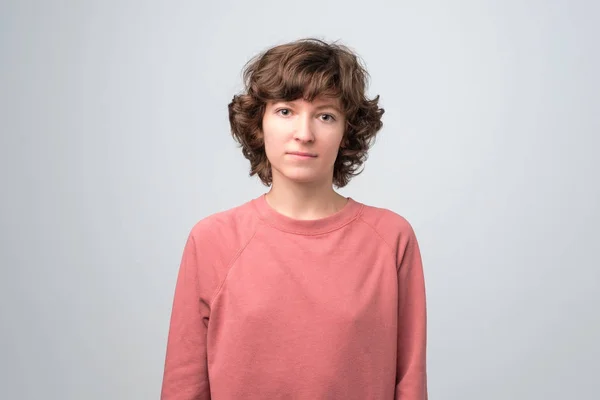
<point>300,293</point>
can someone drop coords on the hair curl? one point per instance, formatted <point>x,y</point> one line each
<point>306,68</point>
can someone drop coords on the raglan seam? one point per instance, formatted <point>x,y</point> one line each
<point>230,267</point>
<point>390,247</point>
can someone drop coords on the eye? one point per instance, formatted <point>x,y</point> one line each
<point>329,117</point>
<point>286,112</point>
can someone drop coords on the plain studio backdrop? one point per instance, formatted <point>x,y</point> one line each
<point>115,141</point>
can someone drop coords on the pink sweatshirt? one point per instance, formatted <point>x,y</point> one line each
<point>269,307</point>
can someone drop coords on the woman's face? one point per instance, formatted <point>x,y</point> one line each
<point>302,138</point>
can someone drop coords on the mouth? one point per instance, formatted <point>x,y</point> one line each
<point>302,154</point>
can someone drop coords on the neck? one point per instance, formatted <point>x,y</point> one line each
<point>305,201</point>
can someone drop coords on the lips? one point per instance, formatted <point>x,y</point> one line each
<point>302,154</point>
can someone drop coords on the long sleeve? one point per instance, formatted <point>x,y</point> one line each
<point>185,372</point>
<point>411,374</point>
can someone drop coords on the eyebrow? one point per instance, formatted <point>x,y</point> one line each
<point>321,107</point>
<point>329,106</point>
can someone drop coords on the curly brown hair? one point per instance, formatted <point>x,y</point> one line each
<point>306,68</point>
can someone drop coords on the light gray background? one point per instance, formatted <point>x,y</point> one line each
<point>115,141</point>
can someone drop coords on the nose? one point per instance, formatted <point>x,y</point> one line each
<point>304,132</point>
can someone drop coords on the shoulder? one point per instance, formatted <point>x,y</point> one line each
<point>225,232</point>
<point>385,221</point>
<point>392,228</point>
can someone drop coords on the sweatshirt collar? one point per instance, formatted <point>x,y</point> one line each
<point>269,215</point>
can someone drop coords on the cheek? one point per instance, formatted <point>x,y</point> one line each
<point>273,144</point>
<point>275,133</point>
<point>334,144</point>
<point>270,140</point>
<point>267,137</point>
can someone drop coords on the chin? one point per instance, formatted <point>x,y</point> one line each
<point>300,176</point>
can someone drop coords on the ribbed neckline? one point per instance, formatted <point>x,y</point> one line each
<point>307,227</point>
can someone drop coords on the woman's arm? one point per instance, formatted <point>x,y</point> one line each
<point>411,373</point>
<point>185,374</point>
